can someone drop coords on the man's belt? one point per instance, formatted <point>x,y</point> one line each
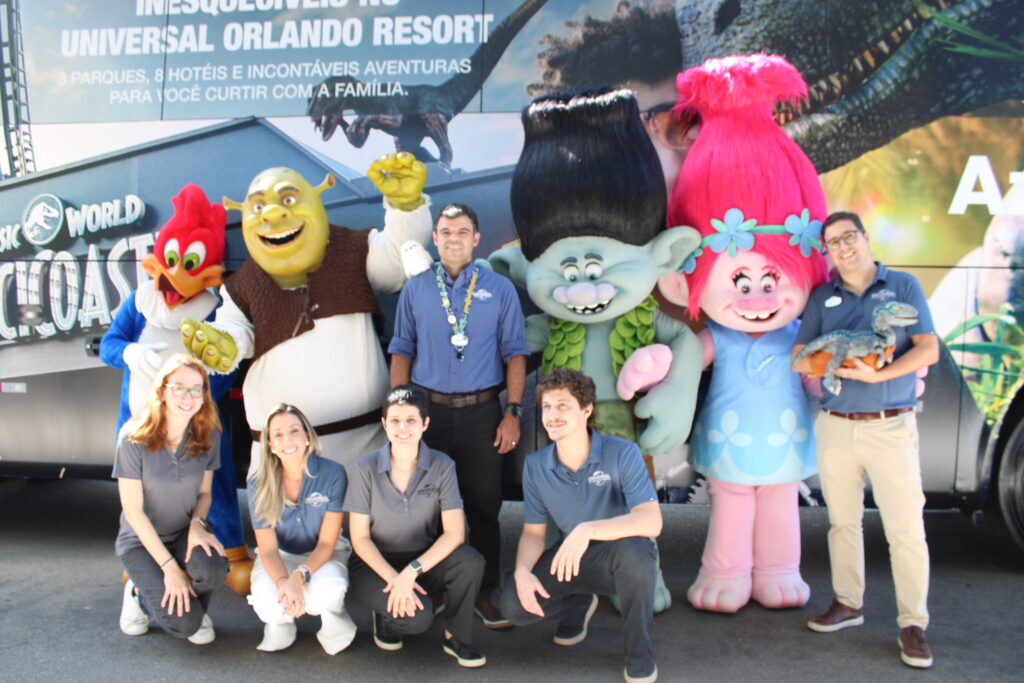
<point>339,426</point>
<point>461,400</point>
<point>879,415</point>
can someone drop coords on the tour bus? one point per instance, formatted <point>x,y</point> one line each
<point>914,120</point>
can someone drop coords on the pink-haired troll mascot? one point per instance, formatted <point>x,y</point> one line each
<point>756,199</point>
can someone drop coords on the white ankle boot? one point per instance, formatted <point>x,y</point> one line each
<point>277,637</point>
<point>134,621</point>
<point>336,632</point>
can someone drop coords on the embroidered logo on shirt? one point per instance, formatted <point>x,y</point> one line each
<point>482,294</point>
<point>316,499</point>
<point>833,301</point>
<point>884,294</point>
<point>599,478</point>
<point>429,490</point>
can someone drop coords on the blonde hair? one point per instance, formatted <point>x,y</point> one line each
<point>268,482</point>
<point>149,426</point>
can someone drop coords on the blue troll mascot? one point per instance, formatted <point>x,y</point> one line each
<point>186,263</point>
<point>588,201</point>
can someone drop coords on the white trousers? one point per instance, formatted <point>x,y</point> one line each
<point>325,591</point>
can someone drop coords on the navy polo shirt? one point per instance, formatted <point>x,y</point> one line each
<point>321,491</point>
<point>612,481</point>
<point>403,521</point>
<point>170,484</point>
<point>495,329</point>
<point>832,307</point>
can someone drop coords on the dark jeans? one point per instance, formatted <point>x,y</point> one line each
<point>626,567</point>
<point>466,435</point>
<point>458,575</point>
<point>206,573</point>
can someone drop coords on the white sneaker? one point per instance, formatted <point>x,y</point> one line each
<point>205,634</point>
<point>277,637</point>
<point>134,621</point>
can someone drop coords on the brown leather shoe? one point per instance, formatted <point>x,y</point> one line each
<point>490,615</point>
<point>838,616</point>
<point>914,650</point>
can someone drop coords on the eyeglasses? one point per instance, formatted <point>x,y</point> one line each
<point>180,390</point>
<point>667,129</point>
<point>848,237</point>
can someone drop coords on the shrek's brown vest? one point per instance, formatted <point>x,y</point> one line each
<point>338,287</point>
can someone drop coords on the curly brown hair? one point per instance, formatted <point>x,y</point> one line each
<point>575,382</point>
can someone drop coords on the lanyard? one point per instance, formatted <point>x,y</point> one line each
<point>459,339</point>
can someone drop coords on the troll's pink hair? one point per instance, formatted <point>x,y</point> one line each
<point>742,159</point>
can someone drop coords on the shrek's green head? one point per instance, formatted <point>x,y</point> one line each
<point>284,224</point>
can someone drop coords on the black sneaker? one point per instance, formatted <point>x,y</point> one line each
<point>383,636</point>
<point>573,629</point>
<point>466,655</point>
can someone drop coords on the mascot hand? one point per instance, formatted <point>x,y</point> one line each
<point>143,360</point>
<point>400,178</point>
<point>415,259</point>
<point>214,348</point>
<point>644,368</point>
<point>665,430</point>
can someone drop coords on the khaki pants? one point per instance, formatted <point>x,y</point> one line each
<point>886,452</point>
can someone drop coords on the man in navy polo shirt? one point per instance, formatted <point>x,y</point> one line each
<point>597,491</point>
<point>869,429</point>
<point>459,334</point>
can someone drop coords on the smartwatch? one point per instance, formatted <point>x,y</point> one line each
<point>514,409</point>
<point>416,567</point>
<point>304,572</point>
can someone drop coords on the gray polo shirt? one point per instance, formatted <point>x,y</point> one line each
<point>170,485</point>
<point>321,491</point>
<point>403,522</point>
<point>612,481</point>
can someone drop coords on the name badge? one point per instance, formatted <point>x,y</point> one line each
<point>833,301</point>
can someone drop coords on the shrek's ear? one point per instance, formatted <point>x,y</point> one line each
<point>671,247</point>
<point>326,184</point>
<point>510,262</point>
<point>231,204</point>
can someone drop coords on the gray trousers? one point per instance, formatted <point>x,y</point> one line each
<point>457,575</point>
<point>206,574</point>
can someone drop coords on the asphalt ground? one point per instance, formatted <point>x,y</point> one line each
<point>60,596</point>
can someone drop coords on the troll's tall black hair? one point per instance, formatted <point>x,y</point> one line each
<point>587,168</point>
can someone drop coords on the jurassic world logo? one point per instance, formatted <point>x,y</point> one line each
<point>55,291</point>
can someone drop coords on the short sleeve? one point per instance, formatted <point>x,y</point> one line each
<point>914,296</point>
<point>450,497</point>
<point>534,509</point>
<point>250,495</point>
<point>336,497</point>
<point>636,482</point>
<point>810,321</point>
<point>127,459</point>
<point>214,452</point>
<point>357,495</point>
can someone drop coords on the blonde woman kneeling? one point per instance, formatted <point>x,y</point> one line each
<point>295,501</point>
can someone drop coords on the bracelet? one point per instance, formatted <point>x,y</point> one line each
<point>167,561</point>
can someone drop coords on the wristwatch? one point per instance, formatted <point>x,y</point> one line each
<point>514,409</point>
<point>303,571</point>
<point>203,522</point>
<point>416,567</point>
